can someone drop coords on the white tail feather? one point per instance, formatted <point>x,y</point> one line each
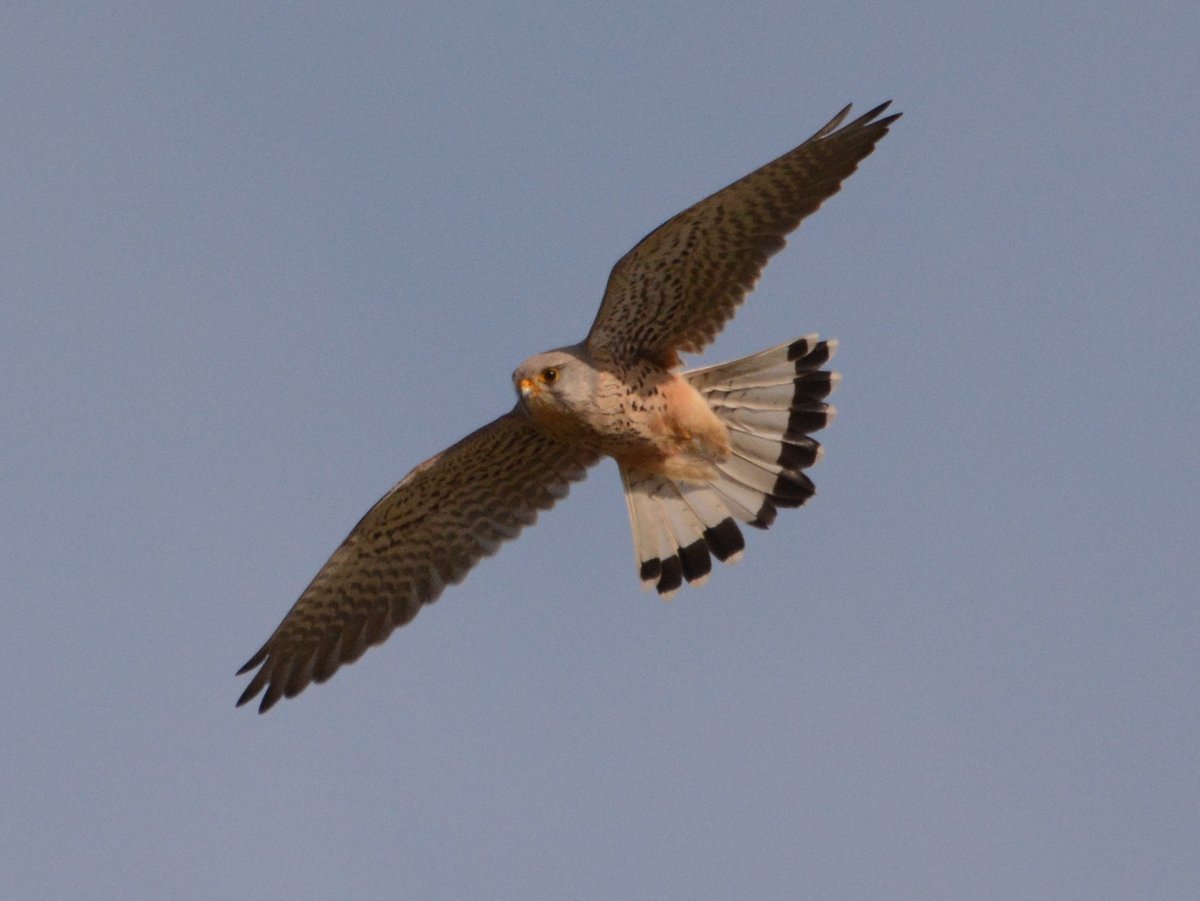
<point>769,402</point>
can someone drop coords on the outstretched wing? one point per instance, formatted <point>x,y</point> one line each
<point>424,534</point>
<point>676,289</point>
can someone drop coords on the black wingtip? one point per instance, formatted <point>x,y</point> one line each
<point>829,127</point>
<point>871,118</point>
<point>272,696</point>
<point>260,681</point>
<point>834,125</point>
<point>247,696</point>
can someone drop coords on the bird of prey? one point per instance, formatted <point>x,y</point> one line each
<point>699,451</point>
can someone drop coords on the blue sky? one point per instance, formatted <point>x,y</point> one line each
<point>260,260</point>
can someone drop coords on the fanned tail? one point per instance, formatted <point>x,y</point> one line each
<point>770,402</point>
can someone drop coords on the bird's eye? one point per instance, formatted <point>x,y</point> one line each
<point>549,374</point>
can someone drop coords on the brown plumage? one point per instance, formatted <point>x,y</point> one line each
<point>698,451</point>
<point>680,284</point>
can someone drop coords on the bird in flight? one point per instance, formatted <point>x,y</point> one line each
<point>699,452</point>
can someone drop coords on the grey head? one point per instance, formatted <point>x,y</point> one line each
<point>561,380</point>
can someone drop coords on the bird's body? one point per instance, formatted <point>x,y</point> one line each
<point>699,451</point>
<point>640,414</point>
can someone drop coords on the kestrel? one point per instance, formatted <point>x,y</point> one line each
<point>699,452</point>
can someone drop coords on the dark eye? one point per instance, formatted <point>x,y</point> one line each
<point>549,374</point>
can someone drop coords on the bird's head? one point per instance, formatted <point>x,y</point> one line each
<point>557,382</point>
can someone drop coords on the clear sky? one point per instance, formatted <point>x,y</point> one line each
<point>258,260</point>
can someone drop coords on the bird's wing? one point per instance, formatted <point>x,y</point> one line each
<point>424,534</point>
<point>676,288</point>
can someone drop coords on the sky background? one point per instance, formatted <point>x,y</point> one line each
<point>258,260</point>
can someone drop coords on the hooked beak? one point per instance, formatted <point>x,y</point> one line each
<point>529,388</point>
